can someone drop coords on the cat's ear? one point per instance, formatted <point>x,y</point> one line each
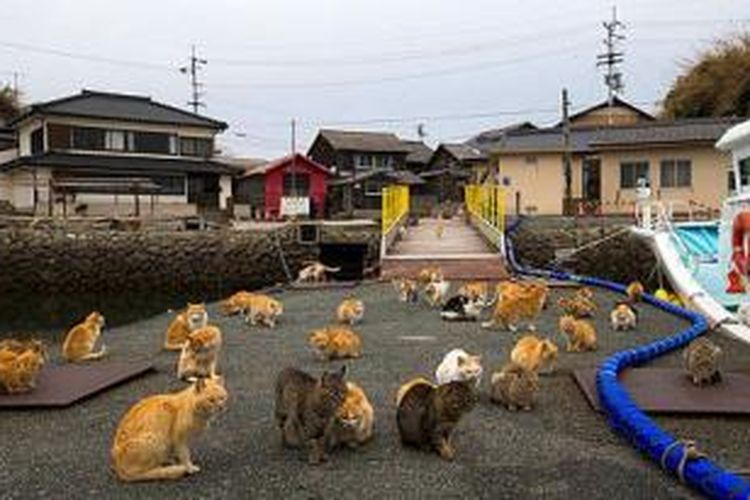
<point>461,361</point>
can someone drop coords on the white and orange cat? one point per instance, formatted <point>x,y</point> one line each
<point>315,272</point>
<point>580,333</point>
<point>236,303</point>
<point>200,354</point>
<point>516,302</point>
<point>458,366</point>
<point>263,310</point>
<point>152,441</point>
<point>354,418</point>
<point>350,311</point>
<point>534,354</point>
<point>436,292</point>
<point>193,317</point>
<point>335,342</point>
<point>80,341</point>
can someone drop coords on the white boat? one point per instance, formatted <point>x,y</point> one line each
<point>707,262</point>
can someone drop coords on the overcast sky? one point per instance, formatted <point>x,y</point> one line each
<point>457,66</point>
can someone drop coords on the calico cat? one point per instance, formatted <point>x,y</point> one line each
<point>236,303</point>
<point>263,310</point>
<point>80,341</point>
<point>350,311</point>
<point>335,342</point>
<point>458,365</point>
<point>623,317</point>
<point>516,302</point>
<point>152,439</point>
<point>193,317</point>
<point>635,291</point>
<point>478,291</point>
<point>515,387</point>
<point>306,409</point>
<point>436,292</point>
<point>200,354</point>
<point>580,304</point>
<point>407,289</point>
<point>315,272</point>
<point>461,308</point>
<point>701,360</point>
<point>580,333</point>
<point>534,354</point>
<point>20,364</point>
<point>427,415</point>
<point>354,419</point>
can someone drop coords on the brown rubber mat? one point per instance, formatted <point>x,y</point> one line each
<point>662,390</point>
<point>63,385</point>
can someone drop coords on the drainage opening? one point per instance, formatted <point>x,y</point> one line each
<point>350,257</point>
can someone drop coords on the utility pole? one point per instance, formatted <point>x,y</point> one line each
<point>15,87</point>
<point>612,58</point>
<point>192,69</point>
<point>567,163</point>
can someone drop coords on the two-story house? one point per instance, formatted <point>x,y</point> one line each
<point>102,153</point>
<point>362,163</point>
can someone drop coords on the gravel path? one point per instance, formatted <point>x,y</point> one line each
<point>560,450</point>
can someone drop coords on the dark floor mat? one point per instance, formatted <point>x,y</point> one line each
<point>60,386</point>
<point>661,390</point>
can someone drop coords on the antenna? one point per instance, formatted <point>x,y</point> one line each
<point>613,57</point>
<point>192,69</point>
<point>421,132</point>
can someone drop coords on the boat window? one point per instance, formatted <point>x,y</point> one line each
<point>744,164</point>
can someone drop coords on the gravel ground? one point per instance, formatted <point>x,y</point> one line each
<point>562,449</point>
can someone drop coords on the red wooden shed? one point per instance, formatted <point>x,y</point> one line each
<point>292,175</point>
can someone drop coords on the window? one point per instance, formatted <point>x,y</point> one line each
<point>383,161</point>
<point>196,146</point>
<point>744,165</point>
<point>88,138</point>
<point>58,136</point>
<point>676,173</point>
<point>300,187</point>
<point>37,141</point>
<point>170,184</point>
<point>373,188</point>
<point>362,161</point>
<point>153,142</point>
<point>631,171</point>
<point>114,140</point>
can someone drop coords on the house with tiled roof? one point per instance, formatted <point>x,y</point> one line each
<point>101,153</point>
<point>611,149</point>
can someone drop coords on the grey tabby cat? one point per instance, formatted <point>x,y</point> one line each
<point>514,387</point>
<point>702,358</point>
<point>306,409</point>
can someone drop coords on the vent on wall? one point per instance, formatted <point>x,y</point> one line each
<point>308,234</point>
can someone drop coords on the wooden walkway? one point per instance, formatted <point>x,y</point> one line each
<point>461,252</point>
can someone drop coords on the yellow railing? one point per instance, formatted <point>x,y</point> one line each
<point>395,205</point>
<point>487,203</point>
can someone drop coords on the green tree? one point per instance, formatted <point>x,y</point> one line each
<point>9,105</point>
<point>716,84</point>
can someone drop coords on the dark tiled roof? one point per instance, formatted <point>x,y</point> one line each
<point>102,163</point>
<point>464,152</point>
<point>364,141</point>
<point>91,104</point>
<point>461,174</point>
<point>588,139</point>
<point>419,152</point>
<point>616,102</point>
<point>493,135</point>
<point>396,176</point>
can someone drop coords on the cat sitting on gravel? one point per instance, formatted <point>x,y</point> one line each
<point>335,342</point>
<point>461,308</point>
<point>152,440</point>
<point>428,414</point>
<point>534,354</point>
<point>580,333</point>
<point>192,318</point>
<point>702,359</point>
<point>461,366</point>
<point>354,419</point>
<point>436,292</point>
<point>350,311</point>
<point>306,409</point>
<point>80,341</point>
<point>623,317</point>
<point>407,289</point>
<point>20,364</point>
<point>514,387</point>
<point>200,354</point>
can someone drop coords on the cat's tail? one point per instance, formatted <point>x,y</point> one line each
<point>331,269</point>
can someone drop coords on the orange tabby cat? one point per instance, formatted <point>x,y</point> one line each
<point>580,304</point>
<point>580,333</point>
<point>236,303</point>
<point>350,311</point>
<point>354,418</point>
<point>335,342</point>
<point>189,320</point>
<point>534,354</point>
<point>200,354</point>
<point>152,439</point>
<point>80,341</point>
<point>407,289</point>
<point>430,274</point>
<point>635,291</point>
<point>20,366</point>
<point>476,291</point>
<point>518,302</point>
<point>263,310</point>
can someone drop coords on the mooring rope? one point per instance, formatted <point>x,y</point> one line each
<point>282,257</point>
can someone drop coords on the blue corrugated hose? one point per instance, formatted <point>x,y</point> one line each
<point>624,416</point>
